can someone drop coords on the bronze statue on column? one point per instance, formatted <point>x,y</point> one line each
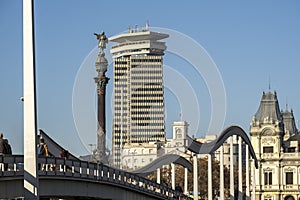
<point>101,81</point>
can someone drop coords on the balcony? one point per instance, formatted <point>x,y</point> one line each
<point>290,155</point>
<point>291,187</point>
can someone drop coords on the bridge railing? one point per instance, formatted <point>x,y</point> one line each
<point>61,167</point>
<point>11,165</point>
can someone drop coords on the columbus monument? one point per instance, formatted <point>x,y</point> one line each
<point>101,81</point>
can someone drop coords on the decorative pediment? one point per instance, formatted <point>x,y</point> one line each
<point>268,169</point>
<point>267,132</point>
<point>268,140</point>
<point>289,169</point>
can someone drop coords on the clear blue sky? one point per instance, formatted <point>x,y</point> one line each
<point>250,42</point>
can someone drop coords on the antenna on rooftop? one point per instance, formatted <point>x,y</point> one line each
<point>269,83</point>
<point>147,25</point>
<point>129,29</point>
<point>286,104</point>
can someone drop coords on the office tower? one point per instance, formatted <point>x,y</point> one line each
<point>138,89</point>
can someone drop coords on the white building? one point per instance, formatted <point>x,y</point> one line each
<point>138,155</point>
<point>135,156</point>
<point>139,116</point>
<point>276,141</point>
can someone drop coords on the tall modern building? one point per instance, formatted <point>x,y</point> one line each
<point>138,89</point>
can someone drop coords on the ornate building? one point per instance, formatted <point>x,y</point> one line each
<point>275,140</point>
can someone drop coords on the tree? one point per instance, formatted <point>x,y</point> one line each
<point>202,177</point>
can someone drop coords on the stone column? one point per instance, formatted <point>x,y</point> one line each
<point>221,173</point>
<point>185,181</point>
<point>101,81</point>
<point>195,173</point>
<point>277,172</point>
<point>240,169</point>
<point>247,174</point>
<point>209,174</point>
<point>30,182</point>
<point>158,175</point>
<point>173,175</point>
<point>231,170</point>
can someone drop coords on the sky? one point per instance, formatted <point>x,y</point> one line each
<point>251,46</point>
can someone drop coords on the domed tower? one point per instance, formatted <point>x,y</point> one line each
<point>290,128</point>
<point>267,131</point>
<point>266,128</point>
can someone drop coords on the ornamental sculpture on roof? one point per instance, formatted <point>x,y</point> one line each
<point>102,40</point>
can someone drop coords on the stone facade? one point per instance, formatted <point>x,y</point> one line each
<point>276,141</point>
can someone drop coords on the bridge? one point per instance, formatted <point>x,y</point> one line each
<point>73,179</point>
<point>76,179</point>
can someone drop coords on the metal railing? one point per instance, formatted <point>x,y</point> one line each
<point>11,166</point>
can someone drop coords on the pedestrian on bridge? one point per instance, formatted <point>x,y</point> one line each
<point>5,149</point>
<point>1,144</point>
<point>42,151</point>
<point>1,151</point>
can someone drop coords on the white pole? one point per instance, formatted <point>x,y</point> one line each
<point>29,90</point>
<point>221,173</point>
<point>185,181</point>
<point>195,173</point>
<point>247,174</point>
<point>173,175</point>
<point>231,170</point>
<point>158,175</point>
<point>240,170</point>
<point>253,179</point>
<point>209,193</point>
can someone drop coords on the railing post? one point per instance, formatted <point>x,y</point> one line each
<point>185,181</point>
<point>253,179</point>
<point>231,170</point>
<point>240,169</point>
<point>158,175</point>
<point>209,177</point>
<point>221,172</point>
<point>173,175</point>
<point>247,174</point>
<point>195,173</point>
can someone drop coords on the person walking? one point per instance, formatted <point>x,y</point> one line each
<point>42,151</point>
<point>1,151</point>
<point>1,144</point>
<point>43,148</point>
<point>5,149</point>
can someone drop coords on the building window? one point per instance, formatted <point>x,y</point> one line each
<point>268,178</point>
<point>289,178</point>
<point>291,149</point>
<point>267,149</point>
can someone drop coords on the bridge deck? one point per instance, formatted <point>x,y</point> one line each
<point>65,178</point>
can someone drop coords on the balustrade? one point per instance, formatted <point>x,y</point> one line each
<point>11,166</point>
